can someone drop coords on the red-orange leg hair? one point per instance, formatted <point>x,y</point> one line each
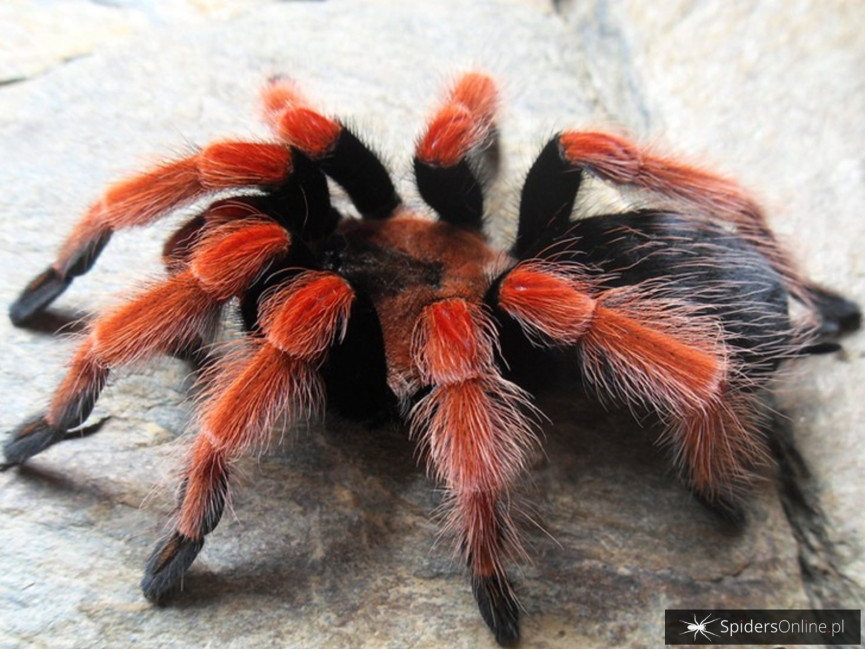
<point>279,375</point>
<point>474,430</point>
<point>649,353</point>
<point>465,122</point>
<point>178,249</point>
<point>622,162</point>
<point>337,151</point>
<point>142,199</point>
<point>458,153</point>
<point>174,314</point>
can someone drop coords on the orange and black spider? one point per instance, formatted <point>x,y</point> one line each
<point>681,311</point>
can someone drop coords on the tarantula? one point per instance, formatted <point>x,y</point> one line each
<point>680,311</point>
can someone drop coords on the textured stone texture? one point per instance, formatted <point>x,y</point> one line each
<point>330,542</point>
<point>777,92</point>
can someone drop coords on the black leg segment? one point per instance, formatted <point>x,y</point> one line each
<point>167,565</point>
<point>498,608</point>
<point>52,282</point>
<point>837,314</point>
<point>302,203</point>
<point>547,199</point>
<point>362,175</point>
<point>454,192</point>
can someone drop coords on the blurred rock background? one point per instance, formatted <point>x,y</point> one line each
<point>330,541</point>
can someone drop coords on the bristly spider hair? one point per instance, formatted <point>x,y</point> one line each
<point>681,311</point>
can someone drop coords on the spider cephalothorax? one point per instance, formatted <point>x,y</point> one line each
<point>682,311</point>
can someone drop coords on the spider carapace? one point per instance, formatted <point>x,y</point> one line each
<point>681,310</point>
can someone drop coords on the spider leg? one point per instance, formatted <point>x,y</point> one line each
<point>168,317</point>
<point>294,186</point>
<point>458,154</point>
<point>555,178</point>
<point>300,322</point>
<point>546,201</point>
<point>620,161</point>
<point>180,246</point>
<point>177,249</point>
<point>473,428</point>
<point>837,314</point>
<point>333,146</point>
<point>648,352</point>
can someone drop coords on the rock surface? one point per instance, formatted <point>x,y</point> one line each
<point>330,542</point>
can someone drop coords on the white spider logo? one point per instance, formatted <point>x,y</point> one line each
<point>700,627</point>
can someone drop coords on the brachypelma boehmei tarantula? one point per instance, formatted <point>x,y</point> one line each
<point>682,312</point>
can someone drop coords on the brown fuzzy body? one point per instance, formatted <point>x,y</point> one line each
<point>405,264</point>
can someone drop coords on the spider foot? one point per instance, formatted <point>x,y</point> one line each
<point>499,608</point>
<point>167,565</point>
<point>39,293</point>
<point>30,438</point>
<point>837,314</point>
<point>48,285</point>
<point>85,431</point>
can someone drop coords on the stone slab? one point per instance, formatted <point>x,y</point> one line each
<point>330,542</point>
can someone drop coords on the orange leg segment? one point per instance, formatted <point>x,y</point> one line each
<point>458,154</point>
<point>620,161</point>
<point>142,199</point>
<point>474,431</point>
<point>651,353</point>
<point>333,147</point>
<point>172,315</point>
<point>296,123</point>
<point>279,375</point>
<point>463,123</point>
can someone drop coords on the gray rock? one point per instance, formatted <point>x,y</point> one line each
<point>329,541</point>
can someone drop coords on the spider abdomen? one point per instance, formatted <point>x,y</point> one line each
<point>681,257</point>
